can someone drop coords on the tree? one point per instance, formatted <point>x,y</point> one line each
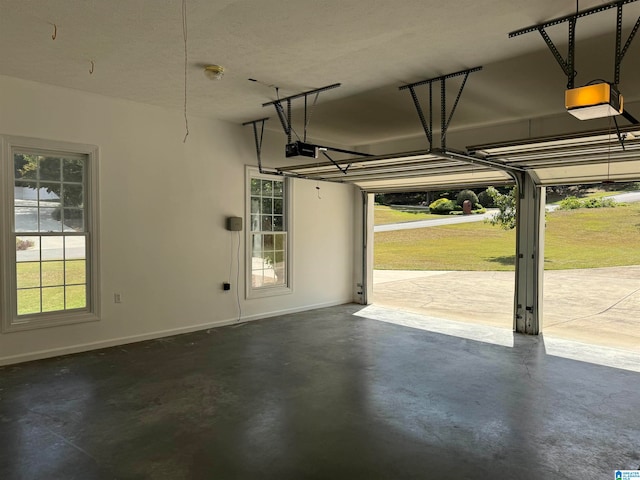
<point>51,172</point>
<point>506,204</point>
<point>467,195</point>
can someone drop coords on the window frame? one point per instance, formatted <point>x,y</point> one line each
<point>11,322</point>
<point>268,291</point>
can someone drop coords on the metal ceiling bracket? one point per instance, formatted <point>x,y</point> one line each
<point>427,128</point>
<point>568,65</point>
<point>286,121</point>
<point>307,117</point>
<point>343,170</point>
<point>340,150</point>
<point>621,136</point>
<point>257,139</point>
<point>444,121</point>
<point>633,120</point>
<point>621,52</point>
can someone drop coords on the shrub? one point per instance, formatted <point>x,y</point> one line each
<point>442,206</point>
<point>600,203</point>
<point>485,199</point>
<point>24,244</point>
<point>570,203</point>
<point>466,195</point>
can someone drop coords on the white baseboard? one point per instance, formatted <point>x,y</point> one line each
<point>114,342</point>
<point>287,311</point>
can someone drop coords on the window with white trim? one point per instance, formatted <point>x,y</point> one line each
<point>268,263</point>
<point>49,252</point>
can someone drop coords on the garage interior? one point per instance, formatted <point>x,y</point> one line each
<point>186,368</point>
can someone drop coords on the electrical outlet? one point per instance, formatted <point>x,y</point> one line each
<point>117,298</point>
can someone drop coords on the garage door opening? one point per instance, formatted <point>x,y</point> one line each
<point>533,164</point>
<point>452,266</point>
<point>592,264</point>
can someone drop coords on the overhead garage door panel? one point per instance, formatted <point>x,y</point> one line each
<point>586,157</point>
<point>458,180</point>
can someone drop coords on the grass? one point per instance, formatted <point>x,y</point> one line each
<point>52,278</point>
<point>385,215</point>
<point>553,199</point>
<point>593,237</point>
<point>583,238</point>
<point>600,194</point>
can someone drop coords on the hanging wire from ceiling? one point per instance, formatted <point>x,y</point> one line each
<point>184,37</point>
<point>317,180</point>
<point>238,280</point>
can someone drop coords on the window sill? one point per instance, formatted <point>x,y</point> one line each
<point>46,321</point>
<point>266,292</point>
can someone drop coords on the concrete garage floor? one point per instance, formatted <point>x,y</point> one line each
<point>596,306</point>
<point>328,394</point>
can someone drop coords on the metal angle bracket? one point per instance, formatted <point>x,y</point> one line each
<point>336,164</point>
<point>620,52</point>
<point>285,117</point>
<point>444,120</point>
<point>285,121</point>
<point>344,170</point>
<point>258,140</point>
<point>568,65</point>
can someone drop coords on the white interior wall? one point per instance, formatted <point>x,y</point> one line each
<point>163,205</point>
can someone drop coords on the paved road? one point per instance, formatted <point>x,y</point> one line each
<point>50,248</point>
<point>628,197</point>
<point>447,220</point>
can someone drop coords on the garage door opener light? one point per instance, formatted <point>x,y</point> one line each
<point>594,101</point>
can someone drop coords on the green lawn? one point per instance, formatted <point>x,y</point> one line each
<point>384,215</point>
<point>52,278</point>
<point>583,238</point>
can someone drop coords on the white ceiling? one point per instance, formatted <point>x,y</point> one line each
<point>370,46</point>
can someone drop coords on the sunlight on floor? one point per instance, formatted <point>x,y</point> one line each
<point>608,357</point>
<point>480,333</point>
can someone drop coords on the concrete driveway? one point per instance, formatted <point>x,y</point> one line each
<point>594,306</point>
